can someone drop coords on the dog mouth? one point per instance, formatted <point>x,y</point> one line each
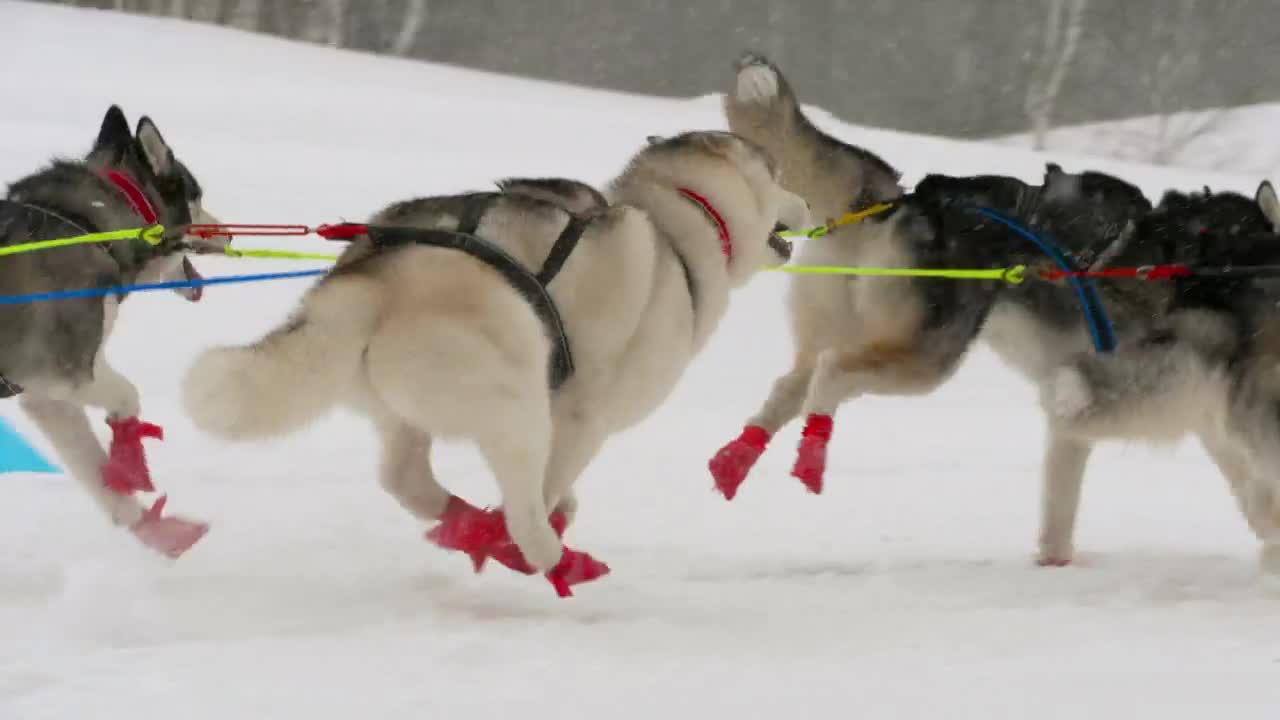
<point>189,271</point>
<point>779,245</point>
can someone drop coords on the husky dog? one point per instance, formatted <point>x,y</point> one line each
<point>894,336</point>
<point>431,342</point>
<point>1209,368</point>
<point>51,353</point>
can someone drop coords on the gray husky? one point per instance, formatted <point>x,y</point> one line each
<point>51,352</point>
<point>535,321</point>
<point>892,336</point>
<point>1211,366</point>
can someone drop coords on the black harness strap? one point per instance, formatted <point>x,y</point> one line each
<point>473,209</point>
<point>564,247</point>
<point>29,212</point>
<point>530,286</point>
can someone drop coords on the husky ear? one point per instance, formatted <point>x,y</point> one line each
<point>1051,170</point>
<point>719,143</point>
<point>1269,203</point>
<point>154,149</point>
<point>114,137</point>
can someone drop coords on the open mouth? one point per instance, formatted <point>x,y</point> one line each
<point>778,244</point>
<point>189,271</point>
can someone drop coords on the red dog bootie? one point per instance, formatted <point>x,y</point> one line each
<point>508,553</point>
<point>575,567</point>
<point>170,536</point>
<point>467,528</point>
<point>126,469</point>
<point>731,464</point>
<point>811,459</point>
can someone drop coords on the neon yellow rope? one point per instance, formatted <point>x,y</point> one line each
<point>1012,275</point>
<point>846,219</point>
<point>279,254</point>
<point>152,235</point>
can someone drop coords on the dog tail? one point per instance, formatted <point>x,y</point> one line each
<point>293,374</point>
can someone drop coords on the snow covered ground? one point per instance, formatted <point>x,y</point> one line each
<point>1239,140</point>
<point>906,591</point>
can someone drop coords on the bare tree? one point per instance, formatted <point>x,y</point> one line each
<point>1063,27</point>
<point>1172,134</point>
<point>415,16</point>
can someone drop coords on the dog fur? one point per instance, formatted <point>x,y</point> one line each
<point>54,350</point>
<point>432,343</point>
<point>1209,368</point>
<point>905,336</point>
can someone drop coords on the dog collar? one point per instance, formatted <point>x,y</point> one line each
<point>726,243</point>
<point>137,199</point>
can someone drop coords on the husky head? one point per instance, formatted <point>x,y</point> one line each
<point>1218,228</point>
<point>1081,208</point>
<point>739,179</point>
<point>144,155</point>
<point>996,192</point>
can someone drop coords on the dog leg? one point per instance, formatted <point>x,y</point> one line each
<point>730,465</point>
<point>406,472</point>
<point>841,375</point>
<point>67,427</point>
<point>1235,468</point>
<point>519,462</point>
<point>575,442</point>
<point>1063,471</point>
<point>125,470</point>
<point>406,475</point>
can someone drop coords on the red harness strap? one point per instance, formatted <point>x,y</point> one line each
<point>722,228</point>
<point>137,199</point>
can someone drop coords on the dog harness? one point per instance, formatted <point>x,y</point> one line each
<point>122,182</point>
<point>531,286</point>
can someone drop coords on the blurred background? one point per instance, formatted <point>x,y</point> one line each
<point>1166,82</point>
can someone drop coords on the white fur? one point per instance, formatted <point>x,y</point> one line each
<point>757,83</point>
<point>433,343</point>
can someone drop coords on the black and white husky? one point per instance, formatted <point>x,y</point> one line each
<point>51,352</point>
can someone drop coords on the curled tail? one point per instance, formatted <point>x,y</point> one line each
<point>293,374</point>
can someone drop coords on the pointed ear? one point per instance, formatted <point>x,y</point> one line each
<point>113,137</point>
<point>154,149</point>
<point>1269,203</point>
<point>719,143</point>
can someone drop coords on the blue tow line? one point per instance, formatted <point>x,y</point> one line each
<point>1095,314</point>
<point>142,287</point>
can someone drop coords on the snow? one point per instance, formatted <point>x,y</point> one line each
<point>1239,140</point>
<point>907,590</point>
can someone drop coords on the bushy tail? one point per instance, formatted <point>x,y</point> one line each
<point>290,376</point>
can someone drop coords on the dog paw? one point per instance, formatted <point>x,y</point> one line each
<point>574,568</point>
<point>1055,555</point>
<point>169,536</point>
<point>1067,395</point>
<point>757,83</point>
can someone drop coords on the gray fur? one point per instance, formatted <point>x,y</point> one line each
<point>52,350</point>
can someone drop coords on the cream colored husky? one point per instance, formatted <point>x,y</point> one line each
<point>431,342</point>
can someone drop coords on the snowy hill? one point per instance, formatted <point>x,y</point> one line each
<point>1240,140</point>
<point>906,591</point>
